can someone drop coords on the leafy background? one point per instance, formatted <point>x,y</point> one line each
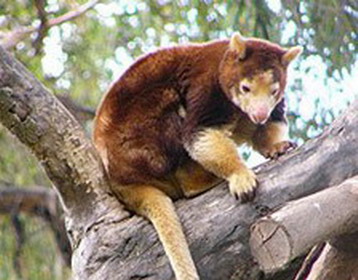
<point>79,59</point>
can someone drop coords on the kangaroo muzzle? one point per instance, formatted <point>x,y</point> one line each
<point>260,114</point>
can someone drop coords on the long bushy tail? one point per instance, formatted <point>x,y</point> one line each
<point>159,209</point>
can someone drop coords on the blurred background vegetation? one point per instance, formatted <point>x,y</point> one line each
<point>77,48</point>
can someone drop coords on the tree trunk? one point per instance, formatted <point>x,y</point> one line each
<point>110,243</point>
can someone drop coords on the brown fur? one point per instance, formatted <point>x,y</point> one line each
<point>169,127</point>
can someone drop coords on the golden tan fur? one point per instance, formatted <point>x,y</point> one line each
<point>170,126</point>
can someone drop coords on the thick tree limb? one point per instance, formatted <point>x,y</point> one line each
<point>112,244</point>
<point>290,231</point>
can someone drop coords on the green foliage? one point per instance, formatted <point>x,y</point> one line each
<point>82,57</point>
<point>327,28</point>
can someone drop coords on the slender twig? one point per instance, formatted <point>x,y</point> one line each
<point>42,30</point>
<point>11,39</point>
<point>20,239</point>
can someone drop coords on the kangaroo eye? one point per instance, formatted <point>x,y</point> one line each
<point>274,92</point>
<point>245,89</point>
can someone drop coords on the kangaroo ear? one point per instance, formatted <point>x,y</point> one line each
<point>291,54</point>
<point>238,44</point>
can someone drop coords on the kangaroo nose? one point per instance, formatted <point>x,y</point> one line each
<point>260,115</point>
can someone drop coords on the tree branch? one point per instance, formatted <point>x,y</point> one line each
<point>42,29</point>
<point>81,113</point>
<point>39,201</point>
<point>35,200</point>
<point>20,238</point>
<point>11,39</point>
<point>293,229</point>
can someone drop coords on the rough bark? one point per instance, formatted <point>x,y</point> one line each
<point>110,243</point>
<point>290,231</point>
